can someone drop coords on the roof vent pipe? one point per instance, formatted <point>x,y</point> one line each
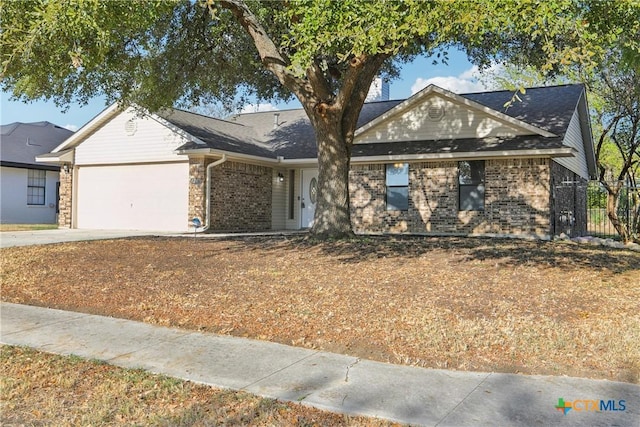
<point>276,120</point>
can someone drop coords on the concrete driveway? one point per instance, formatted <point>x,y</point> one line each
<point>44,237</point>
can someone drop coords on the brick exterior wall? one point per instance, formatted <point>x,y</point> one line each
<point>516,199</point>
<point>240,197</point>
<point>519,198</point>
<point>568,202</point>
<point>65,202</point>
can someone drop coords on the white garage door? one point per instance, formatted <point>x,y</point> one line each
<point>133,197</point>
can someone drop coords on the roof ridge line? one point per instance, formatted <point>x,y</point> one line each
<point>205,116</point>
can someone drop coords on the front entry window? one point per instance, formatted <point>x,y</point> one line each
<point>313,190</point>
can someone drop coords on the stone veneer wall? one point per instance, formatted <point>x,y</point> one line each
<point>240,197</point>
<point>516,199</point>
<point>65,202</point>
<point>568,202</point>
<point>197,190</point>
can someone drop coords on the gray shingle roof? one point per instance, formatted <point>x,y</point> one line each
<point>219,134</point>
<point>20,143</point>
<point>549,108</point>
<point>295,138</point>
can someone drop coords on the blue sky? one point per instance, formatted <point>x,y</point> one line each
<point>458,76</point>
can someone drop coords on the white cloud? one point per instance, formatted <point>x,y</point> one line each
<point>466,82</point>
<point>453,84</point>
<point>72,128</point>
<point>470,74</point>
<point>257,108</point>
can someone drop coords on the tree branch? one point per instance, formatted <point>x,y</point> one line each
<point>319,82</point>
<point>357,81</point>
<point>272,58</point>
<point>603,135</point>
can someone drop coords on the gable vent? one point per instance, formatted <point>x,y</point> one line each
<point>435,113</point>
<point>130,127</point>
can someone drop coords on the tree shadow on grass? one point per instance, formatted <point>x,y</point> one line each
<point>562,255</point>
<point>504,251</point>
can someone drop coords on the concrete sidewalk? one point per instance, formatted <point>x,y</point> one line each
<point>328,381</point>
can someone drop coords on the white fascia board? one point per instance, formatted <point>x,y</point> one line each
<point>201,151</point>
<point>431,89</point>
<point>390,158</point>
<point>65,156</point>
<point>89,127</point>
<point>246,158</point>
<point>301,163</point>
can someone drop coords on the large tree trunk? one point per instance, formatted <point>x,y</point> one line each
<point>333,114</point>
<point>613,199</point>
<point>332,216</point>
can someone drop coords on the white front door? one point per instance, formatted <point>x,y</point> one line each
<point>309,196</point>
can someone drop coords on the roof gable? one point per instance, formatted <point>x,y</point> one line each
<point>106,116</point>
<point>130,137</point>
<point>90,127</point>
<point>437,114</point>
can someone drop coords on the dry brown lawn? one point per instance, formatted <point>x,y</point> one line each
<point>455,303</point>
<point>38,389</point>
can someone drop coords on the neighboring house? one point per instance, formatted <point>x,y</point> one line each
<point>436,163</point>
<point>28,190</point>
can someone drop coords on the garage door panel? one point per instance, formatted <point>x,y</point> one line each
<point>133,197</point>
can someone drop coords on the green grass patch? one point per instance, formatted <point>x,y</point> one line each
<point>27,227</point>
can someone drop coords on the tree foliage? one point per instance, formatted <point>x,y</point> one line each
<point>614,101</point>
<point>326,53</point>
<point>617,108</point>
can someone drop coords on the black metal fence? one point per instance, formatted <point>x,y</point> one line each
<point>568,207</point>
<point>598,223</point>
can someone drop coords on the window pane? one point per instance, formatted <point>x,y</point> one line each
<point>36,178</point>
<point>471,172</point>
<point>472,197</point>
<point>398,174</point>
<point>397,198</point>
<point>464,173</point>
<point>35,195</point>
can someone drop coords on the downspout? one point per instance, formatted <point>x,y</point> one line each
<point>208,190</point>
